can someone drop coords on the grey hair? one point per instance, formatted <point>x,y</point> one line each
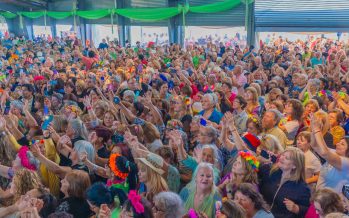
<point>192,184</point>
<point>79,128</point>
<point>315,82</point>
<point>171,204</point>
<point>215,154</point>
<point>277,115</point>
<point>17,104</point>
<point>212,97</point>
<point>33,160</point>
<point>213,133</point>
<point>129,93</point>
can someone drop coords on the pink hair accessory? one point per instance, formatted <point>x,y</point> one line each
<point>192,213</point>
<point>136,201</point>
<point>37,78</point>
<point>22,154</point>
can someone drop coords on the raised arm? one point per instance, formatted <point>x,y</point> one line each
<point>129,115</point>
<point>319,145</point>
<point>51,166</point>
<point>239,143</point>
<point>30,119</point>
<point>153,110</point>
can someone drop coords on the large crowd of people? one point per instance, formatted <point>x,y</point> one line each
<point>163,131</point>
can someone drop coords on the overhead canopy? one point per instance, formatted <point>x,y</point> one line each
<point>146,14</point>
<point>217,13</point>
<point>302,15</point>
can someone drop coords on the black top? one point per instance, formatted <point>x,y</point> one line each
<point>298,192</point>
<point>77,207</point>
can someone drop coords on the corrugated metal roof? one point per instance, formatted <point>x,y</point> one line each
<point>319,15</point>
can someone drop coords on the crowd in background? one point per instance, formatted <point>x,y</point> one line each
<point>209,130</point>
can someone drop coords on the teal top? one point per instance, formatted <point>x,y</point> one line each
<point>191,163</point>
<point>173,179</point>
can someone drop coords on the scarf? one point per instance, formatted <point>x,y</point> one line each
<point>207,205</point>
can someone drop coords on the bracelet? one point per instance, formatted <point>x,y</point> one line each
<point>317,131</point>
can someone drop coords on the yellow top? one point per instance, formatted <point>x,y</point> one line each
<point>48,178</point>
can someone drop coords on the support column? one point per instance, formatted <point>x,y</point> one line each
<point>53,27</point>
<point>251,29</point>
<point>123,29</point>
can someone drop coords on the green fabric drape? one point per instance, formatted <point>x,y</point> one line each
<point>142,14</point>
<point>215,7</point>
<point>59,14</point>
<point>8,15</point>
<point>93,14</point>
<point>149,14</point>
<point>33,15</point>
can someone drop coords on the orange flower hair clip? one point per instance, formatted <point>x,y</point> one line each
<point>114,168</point>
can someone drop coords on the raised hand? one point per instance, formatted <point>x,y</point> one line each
<point>104,211</point>
<point>83,156</point>
<point>87,101</point>
<point>175,138</point>
<point>35,150</point>
<point>315,123</point>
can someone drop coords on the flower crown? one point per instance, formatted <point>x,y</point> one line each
<point>250,159</point>
<point>32,142</point>
<point>114,168</point>
<point>253,118</point>
<point>73,109</point>
<point>22,154</point>
<point>135,200</point>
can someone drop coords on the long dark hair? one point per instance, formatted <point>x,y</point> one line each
<point>250,191</point>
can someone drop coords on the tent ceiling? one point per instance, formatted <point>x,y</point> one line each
<point>28,4</point>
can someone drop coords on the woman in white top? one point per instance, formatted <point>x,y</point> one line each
<point>334,173</point>
<point>312,163</point>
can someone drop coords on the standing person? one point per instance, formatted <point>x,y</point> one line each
<point>283,185</point>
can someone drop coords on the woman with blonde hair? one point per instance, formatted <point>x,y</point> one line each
<point>283,186</point>
<point>251,96</point>
<point>23,181</point>
<point>150,175</point>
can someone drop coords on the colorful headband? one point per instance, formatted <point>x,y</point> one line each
<point>250,159</point>
<point>135,200</point>
<point>174,124</point>
<point>32,142</point>
<point>74,109</point>
<point>22,154</point>
<point>114,168</point>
